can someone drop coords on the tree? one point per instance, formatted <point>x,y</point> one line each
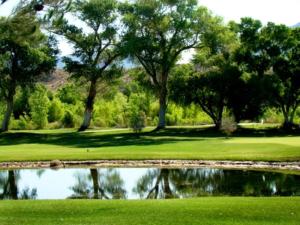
<point>213,76</point>
<point>272,53</point>
<point>157,33</point>
<point>251,55</point>
<point>38,5</point>
<point>211,89</point>
<point>282,45</point>
<point>95,52</point>
<point>25,55</point>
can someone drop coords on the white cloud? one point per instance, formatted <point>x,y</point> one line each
<point>7,7</point>
<point>277,11</point>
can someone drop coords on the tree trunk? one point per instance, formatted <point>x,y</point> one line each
<point>218,118</point>
<point>292,115</point>
<point>94,174</point>
<point>163,93</point>
<point>288,121</point>
<point>9,110</point>
<point>87,117</point>
<point>218,124</point>
<point>289,118</point>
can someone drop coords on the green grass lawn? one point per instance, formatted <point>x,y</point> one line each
<point>172,143</point>
<point>204,211</point>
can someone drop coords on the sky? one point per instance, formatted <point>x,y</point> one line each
<point>278,11</point>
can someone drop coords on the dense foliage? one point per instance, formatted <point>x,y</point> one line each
<point>240,71</point>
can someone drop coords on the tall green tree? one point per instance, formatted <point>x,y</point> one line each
<point>25,55</point>
<point>251,55</point>
<point>157,34</point>
<point>96,52</point>
<point>272,52</point>
<point>282,45</point>
<point>212,77</point>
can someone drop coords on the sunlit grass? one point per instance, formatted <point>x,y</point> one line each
<point>204,211</point>
<point>173,143</point>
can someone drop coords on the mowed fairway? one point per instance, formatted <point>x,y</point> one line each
<point>204,211</point>
<point>173,143</point>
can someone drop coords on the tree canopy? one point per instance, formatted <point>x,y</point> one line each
<point>26,54</point>
<point>157,32</point>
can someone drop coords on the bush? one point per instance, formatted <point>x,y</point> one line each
<point>68,120</point>
<point>21,102</point>
<point>272,115</point>
<point>69,94</point>
<point>39,104</point>
<point>228,126</point>
<point>136,112</point>
<point>23,123</point>
<point>174,114</point>
<point>56,110</point>
<point>111,113</point>
<point>137,121</point>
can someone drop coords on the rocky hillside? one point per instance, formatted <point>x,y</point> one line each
<point>56,79</point>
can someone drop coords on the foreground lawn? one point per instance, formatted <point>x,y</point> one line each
<point>173,143</point>
<point>204,211</point>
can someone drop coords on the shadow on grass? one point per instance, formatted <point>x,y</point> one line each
<point>94,139</point>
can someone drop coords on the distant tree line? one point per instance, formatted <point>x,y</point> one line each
<point>240,70</point>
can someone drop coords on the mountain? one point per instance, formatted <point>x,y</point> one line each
<point>296,25</point>
<point>56,79</point>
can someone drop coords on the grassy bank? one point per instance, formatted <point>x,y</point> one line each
<point>173,143</point>
<point>204,211</point>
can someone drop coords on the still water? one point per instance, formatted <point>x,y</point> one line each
<point>143,183</point>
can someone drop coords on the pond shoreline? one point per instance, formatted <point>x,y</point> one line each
<point>153,163</point>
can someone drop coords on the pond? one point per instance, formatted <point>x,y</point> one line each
<point>143,183</point>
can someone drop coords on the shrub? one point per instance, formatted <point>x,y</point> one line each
<point>23,123</point>
<point>108,113</point>
<point>228,126</point>
<point>56,110</point>
<point>39,104</point>
<point>137,111</point>
<point>272,115</point>
<point>69,94</point>
<point>21,102</point>
<point>137,121</point>
<point>174,114</point>
<point>68,119</point>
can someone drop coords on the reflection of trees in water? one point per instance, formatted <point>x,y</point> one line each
<point>254,183</point>
<point>99,184</point>
<point>184,183</point>
<point>164,183</point>
<point>9,186</point>
<point>157,183</point>
<point>176,183</point>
